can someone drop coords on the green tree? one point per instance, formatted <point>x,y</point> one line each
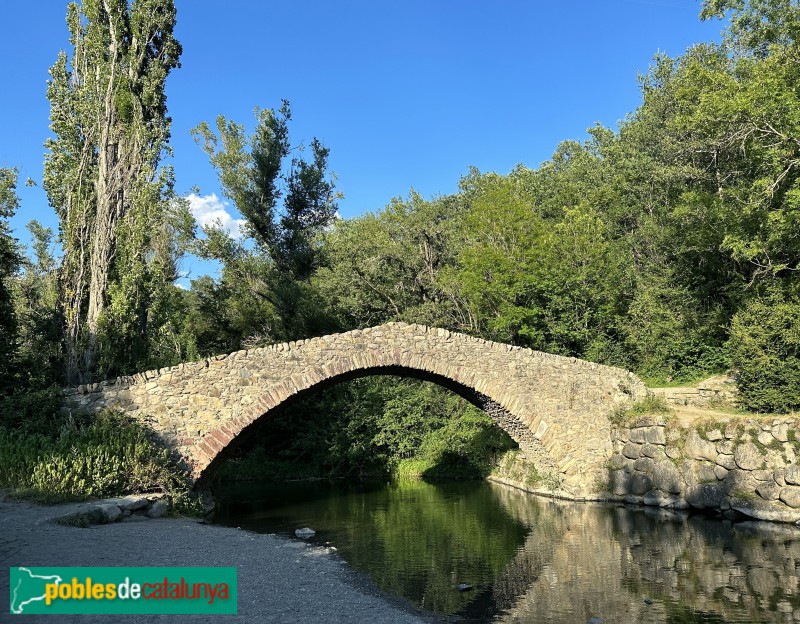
<point>110,125</point>
<point>765,348</point>
<point>387,266</point>
<point>9,264</point>
<point>40,320</point>
<point>271,264</point>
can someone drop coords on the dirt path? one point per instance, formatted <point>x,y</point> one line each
<point>279,580</point>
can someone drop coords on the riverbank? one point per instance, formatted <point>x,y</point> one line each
<point>279,580</point>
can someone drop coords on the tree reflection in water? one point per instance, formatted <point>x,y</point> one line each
<point>537,560</point>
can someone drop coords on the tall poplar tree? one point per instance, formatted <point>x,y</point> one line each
<point>9,264</point>
<point>102,176</point>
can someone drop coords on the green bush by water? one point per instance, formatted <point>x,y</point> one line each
<point>107,455</point>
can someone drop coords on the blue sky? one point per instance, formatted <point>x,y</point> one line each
<point>406,94</point>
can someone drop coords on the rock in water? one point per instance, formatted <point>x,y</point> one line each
<point>463,587</point>
<point>305,533</point>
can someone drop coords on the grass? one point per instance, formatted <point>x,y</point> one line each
<point>76,521</point>
<point>652,404</point>
<point>681,382</point>
<point>513,467</point>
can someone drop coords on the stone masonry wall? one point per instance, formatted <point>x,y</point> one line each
<point>740,466</point>
<point>556,408</point>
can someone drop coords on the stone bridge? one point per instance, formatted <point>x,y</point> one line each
<point>556,408</point>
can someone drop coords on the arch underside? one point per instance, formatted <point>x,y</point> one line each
<point>529,445</point>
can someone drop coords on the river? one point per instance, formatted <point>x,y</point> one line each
<point>528,559</point>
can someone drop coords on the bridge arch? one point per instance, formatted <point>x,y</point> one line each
<point>554,407</point>
<point>255,417</point>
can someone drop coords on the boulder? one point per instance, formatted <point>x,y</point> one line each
<point>764,510</point>
<point>698,448</point>
<point>158,509</point>
<point>638,435</point>
<point>769,491</point>
<point>731,431</point>
<point>133,502</point>
<point>705,496</point>
<point>657,435</point>
<point>305,533</point>
<point>726,446</point>
<point>721,473</point>
<point>781,432</point>
<point>108,512</point>
<point>654,498</point>
<point>706,473</point>
<point>667,477</point>
<point>748,457</point>
<point>617,461</point>
<point>714,435</point>
<point>739,481</point>
<point>640,483</point>
<point>673,501</point>
<point>631,451</point>
<point>653,451</point>
<point>791,496</point>
<point>619,482</point>
<point>792,474</point>
<point>726,461</point>
<point>765,438</point>
<point>644,464</point>
<point>657,498</point>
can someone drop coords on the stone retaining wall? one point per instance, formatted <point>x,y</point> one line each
<point>715,391</point>
<point>739,466</point>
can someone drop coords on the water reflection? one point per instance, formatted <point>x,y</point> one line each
<point>537,560</point>
<point>614,564</point>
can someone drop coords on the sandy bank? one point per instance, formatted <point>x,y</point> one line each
<point>280,580</point>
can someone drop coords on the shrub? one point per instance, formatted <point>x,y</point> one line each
<point>764,346</point>
<point>649,405</point>
<point>34,411</point>
<point>110,455</point>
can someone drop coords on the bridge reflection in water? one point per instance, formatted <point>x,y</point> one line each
<point>536,560</point>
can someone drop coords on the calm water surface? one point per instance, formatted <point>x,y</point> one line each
<point>535,560</point>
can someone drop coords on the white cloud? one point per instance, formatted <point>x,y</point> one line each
<point>211,210</point>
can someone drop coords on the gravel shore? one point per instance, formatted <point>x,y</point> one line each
<point>279,579</point>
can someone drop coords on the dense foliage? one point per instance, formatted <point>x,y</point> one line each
<point>668,246</point>
<point>101,457</point>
